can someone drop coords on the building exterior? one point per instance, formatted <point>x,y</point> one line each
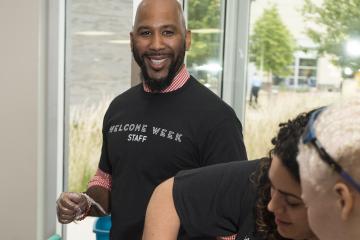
<point>308,68</point>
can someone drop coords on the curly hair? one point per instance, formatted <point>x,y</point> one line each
<point>286,149</point>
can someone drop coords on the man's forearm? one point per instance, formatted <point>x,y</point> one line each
<point>102,197</point>
<point>162,221</point>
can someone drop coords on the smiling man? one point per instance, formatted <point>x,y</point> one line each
<point>167,123</point>
<point>159,48</point>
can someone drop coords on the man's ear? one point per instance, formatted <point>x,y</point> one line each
<point>345,200</point>
<point>188,39</point>
<point>131,40</point>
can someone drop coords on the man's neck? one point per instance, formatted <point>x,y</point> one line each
<point>178,81</point>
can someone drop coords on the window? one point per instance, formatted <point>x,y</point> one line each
<point>98,68</point>
<point>296,77</point>
<point>205,19</point>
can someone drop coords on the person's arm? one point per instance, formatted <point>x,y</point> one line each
<point>101,205</point>
<point>99,189</point>
<point>162,221</point>
<point>207,201</point>
<point>72,206</point>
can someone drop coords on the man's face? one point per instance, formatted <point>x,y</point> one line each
<point>159,41</point>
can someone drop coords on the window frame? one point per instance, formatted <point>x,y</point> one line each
<point>55,121</point>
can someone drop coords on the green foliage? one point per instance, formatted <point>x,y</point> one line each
<point>332,24</point>
<point>204,14</point>
<point>271,44</point>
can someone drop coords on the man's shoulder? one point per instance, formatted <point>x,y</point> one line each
<point>205,95</point>
<point>196,85</point>
<point>125,99</point>
<point>128,94</point>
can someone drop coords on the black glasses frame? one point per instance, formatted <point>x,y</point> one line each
<point>309,136</point>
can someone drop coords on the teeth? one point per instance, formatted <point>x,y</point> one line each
<point>157,62</point>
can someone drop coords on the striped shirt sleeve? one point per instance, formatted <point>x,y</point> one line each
<point>232,237</point>
<point>101,179</point>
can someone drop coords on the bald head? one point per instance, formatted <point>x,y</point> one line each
<point>148,8</point>
<point>159,40</point>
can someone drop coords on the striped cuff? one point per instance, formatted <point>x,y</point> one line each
<point>232,237</point>
<point>101,179</point>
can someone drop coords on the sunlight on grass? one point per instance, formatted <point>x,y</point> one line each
<point>261,122</point>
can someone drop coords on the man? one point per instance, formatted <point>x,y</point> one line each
<point>168,123</point>
<point>255,88</point>
<point>329,159</point>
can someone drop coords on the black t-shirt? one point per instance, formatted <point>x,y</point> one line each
<point>148,138</point>
<point>217,200</point>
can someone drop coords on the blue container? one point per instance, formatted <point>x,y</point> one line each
<point>54,237</point>
<point>102,227</point>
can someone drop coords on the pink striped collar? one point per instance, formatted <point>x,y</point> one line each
<point>179,80</point>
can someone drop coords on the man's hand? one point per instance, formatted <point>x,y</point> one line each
<point>71,206</point>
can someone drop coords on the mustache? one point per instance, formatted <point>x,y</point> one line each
<point>153,53</point>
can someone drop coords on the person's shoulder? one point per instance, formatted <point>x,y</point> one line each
<point>243,166</point>
<point>202,89</point>
<point>127,96</point>
<point>206,97</point>
<point>234,167</point>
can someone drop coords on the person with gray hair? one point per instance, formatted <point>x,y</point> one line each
<point>329,160</point>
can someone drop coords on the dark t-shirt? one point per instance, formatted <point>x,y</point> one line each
<point>148,138</point>
<point>217,200</point>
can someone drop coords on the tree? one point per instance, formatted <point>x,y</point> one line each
<point>271,44</point>
<point>204,14</point>
<point>332,25</point>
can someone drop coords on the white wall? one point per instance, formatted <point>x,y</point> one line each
<point>20,117</point>
<point>327,73</point>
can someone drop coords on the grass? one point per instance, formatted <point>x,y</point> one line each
<point>85,140</point>
<point>261,121</point>
<point>261,125</point>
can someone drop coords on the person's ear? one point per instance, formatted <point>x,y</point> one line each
<point>131,40</point>
<point>345,201</point>
<point>188,39</point>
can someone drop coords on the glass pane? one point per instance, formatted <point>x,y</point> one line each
<point>287,71</point>
<point>308,62</point>
<point>205,60</point>
<point>98,67</point>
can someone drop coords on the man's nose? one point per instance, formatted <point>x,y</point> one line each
<point>157,42</point>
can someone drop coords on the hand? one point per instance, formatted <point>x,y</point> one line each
<point>71,206</point>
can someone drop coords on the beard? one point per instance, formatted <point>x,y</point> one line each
<point>159,84</point>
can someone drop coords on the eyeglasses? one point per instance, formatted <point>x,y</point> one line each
<point>310,137</point>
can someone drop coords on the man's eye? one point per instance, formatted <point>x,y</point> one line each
<point>168,33</point>
<point>145,33</point>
